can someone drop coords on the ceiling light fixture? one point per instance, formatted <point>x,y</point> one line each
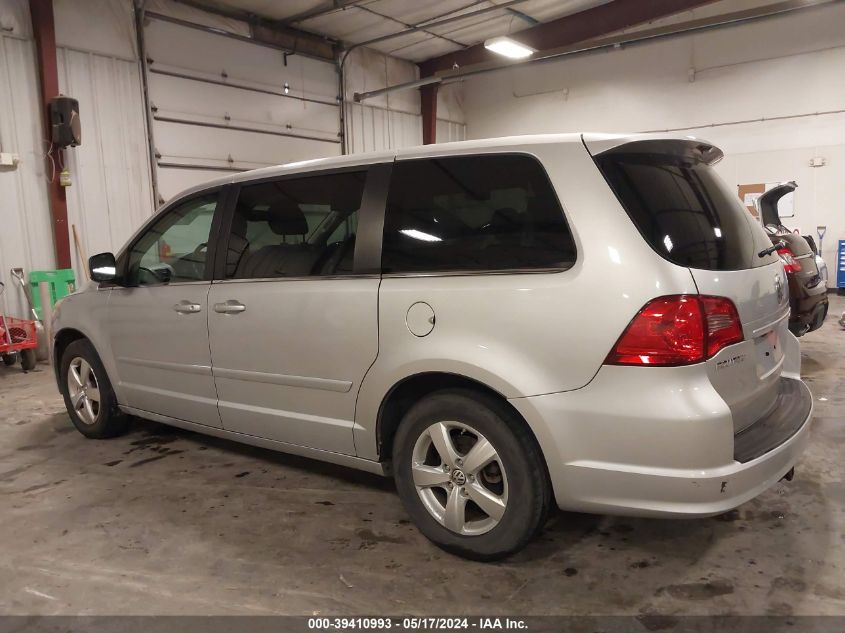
<point>419,235</point>
<point>508,47</point>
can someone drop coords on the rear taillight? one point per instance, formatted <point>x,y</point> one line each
<point>678,330</point>
<point>723,325</point>
<point>790,264</point>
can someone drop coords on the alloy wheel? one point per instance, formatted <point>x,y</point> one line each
<point>84,390</point>
<point>460,478</point>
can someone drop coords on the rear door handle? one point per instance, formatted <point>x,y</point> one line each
<point>186,307</point>
<point>229,307</point>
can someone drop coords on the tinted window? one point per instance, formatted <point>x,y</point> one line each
<point>683,209</point>
<point>296,227</point>
<point>174,249</point>
<point>474,213</point>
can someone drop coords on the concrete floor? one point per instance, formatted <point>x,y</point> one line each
<point>165,521</point>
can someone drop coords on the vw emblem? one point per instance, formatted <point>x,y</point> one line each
<point>459,478</point>
<point>779,288</point>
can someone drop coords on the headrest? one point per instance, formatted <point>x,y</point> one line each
<point>286,218</point>
<point>345,199</point>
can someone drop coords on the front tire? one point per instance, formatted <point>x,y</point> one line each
<point>10,359</point>
<point>88,394</point>
<point>471,475</point>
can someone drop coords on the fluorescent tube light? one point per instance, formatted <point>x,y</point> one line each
<point>508,47</point>
<point>419,235</point>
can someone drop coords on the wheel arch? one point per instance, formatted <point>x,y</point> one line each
<point>61,340</point>
<point>401,396</point>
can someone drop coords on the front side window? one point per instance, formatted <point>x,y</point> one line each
<point>174,249</point>
<point>474,213</point>
<point>296,227</point>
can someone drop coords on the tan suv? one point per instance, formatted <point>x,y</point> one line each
<point>501,325</point>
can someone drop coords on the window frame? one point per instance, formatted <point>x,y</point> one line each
<point>457,272</point>
<point>213,236</point>
<point>367,255</point>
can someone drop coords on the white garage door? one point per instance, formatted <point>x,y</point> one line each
<point>222,105</point>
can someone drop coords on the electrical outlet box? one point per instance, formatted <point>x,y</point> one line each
<point>9,160</point>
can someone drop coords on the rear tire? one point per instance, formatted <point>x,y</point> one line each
<point>484,512</point>
<point>28,359</point>
<point>10,359</point>
<point>88,394</point>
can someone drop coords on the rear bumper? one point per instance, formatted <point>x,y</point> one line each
<point>641,447</point>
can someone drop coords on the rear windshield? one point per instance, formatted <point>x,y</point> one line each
<point>682,208</point>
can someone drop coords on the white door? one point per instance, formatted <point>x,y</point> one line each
<point>158,322</point>
<point>223,104</point>
<point>294,327</point>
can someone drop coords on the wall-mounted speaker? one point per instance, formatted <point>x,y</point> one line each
<point>64,117</point>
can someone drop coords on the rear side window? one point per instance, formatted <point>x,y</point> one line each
<point>682,208</point>
<point>474,213</point>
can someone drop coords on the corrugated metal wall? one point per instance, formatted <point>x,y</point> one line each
<point>25,230</point>
<point>111,191</point>
<point>393,120</point>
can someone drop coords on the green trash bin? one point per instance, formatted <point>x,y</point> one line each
<point>62,283</point>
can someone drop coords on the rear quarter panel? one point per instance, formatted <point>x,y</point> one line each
<point>531,333</point>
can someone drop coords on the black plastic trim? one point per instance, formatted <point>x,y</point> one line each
<point>789,413</point>
<point>371,220</point>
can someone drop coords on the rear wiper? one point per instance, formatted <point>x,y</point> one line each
<point>772,248</point>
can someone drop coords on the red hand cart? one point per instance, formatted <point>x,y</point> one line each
<point>18,340</point>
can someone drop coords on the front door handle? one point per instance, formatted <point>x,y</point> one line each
<point>186,307</point>
<point>229,307</point>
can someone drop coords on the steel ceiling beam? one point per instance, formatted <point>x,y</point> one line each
<point>577,27</point>
<point>274,33</point>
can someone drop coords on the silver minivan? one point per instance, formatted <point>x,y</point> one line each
<point>589,321</point>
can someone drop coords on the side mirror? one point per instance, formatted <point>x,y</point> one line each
<point>102,267</point>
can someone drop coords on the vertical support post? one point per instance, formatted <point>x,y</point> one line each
<point>46,309</point>
<point>48,73</point>
<point>428,107</point>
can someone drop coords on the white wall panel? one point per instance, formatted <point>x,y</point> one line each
<point>385,122</point>
<point>371,129</point>
<point>111,193</point>
<point>393,120</point>
<point>448,131</point>
<point>26,238</point>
